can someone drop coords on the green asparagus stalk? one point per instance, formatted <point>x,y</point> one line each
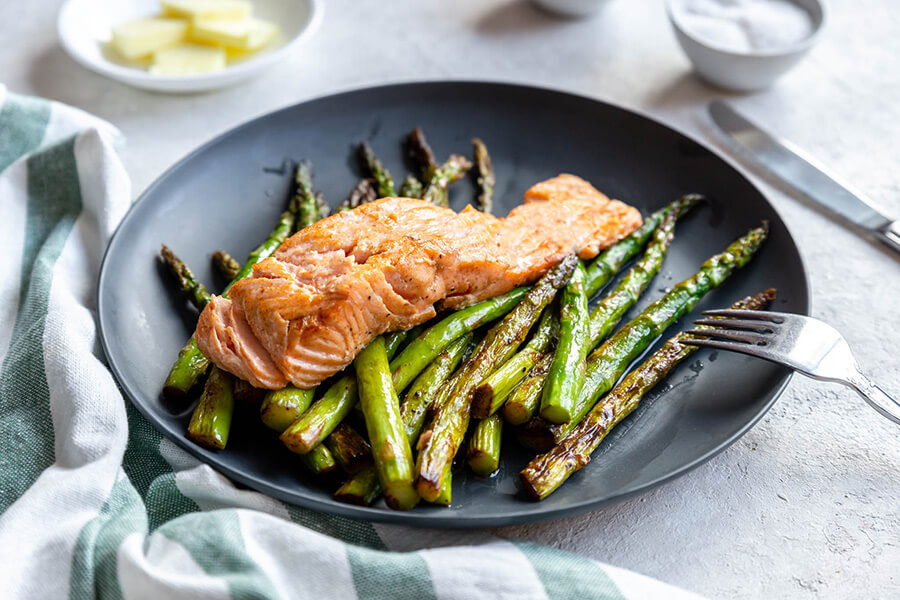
<point>349,448</point>
<point>385,183</point>
<point>421,154</point>
<point>525,398</point>
<point>227,266</point>
<point>319,461</point>
<point>307,205</point>
<point>545,473</point>
<point>278,415</point>
<point>421,394</point>
<point>485,172</point>
<point>607,313</point>
<point>484,446</point>
<point>360,489</point>
<point>442,440</point>
<point>604,267</point>
<point>425,348</point>
<point>566,372</point>
<point>193,289</point>
<point>190,365</point>
<point>607,363</point>
<point>390,446</point>
<point>364,487</point>
<point>491,393</point>
<point>412,187</point>
<point>211,421</point>
<point>363,192</point>
<point>316,424</point>
<point>325,414</point>
<point>437,191</point>
<point>282,407</point>
<point>611,260</point>
<point>446,491</point>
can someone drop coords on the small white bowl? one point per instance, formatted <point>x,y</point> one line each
<point>572,8</point>
<point>85,28</point>
<point>745,71</point>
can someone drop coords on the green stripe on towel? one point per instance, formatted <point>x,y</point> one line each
<point>567,576</point>
<point>23,122</point>
<point>26,429</point>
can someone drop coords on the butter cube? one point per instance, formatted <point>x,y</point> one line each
<point>208,9</point>
<point>188,59</point>
<point>246,34</point>
<point>140,38</point>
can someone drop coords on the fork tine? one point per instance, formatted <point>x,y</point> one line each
<point>747,337</point>
<point>719,345</point>
<point>754,324</point>
<point>747,314</point>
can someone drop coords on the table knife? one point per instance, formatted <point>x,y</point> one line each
<point>803,174</point>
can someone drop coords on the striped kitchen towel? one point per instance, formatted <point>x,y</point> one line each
<point>94,503</point>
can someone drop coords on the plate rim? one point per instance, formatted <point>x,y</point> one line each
<point>412,517</point>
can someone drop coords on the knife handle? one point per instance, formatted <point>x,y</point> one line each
<point>890,235</point>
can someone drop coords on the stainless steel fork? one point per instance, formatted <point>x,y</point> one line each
<point>807,345</point>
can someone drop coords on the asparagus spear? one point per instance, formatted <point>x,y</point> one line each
<point>607,363</point>
<point>307,205</point>
<point>211,420</point>
<point>452,170</point>
<point>282,407</point>
<point>446,491</point>
<point>485,171</point>
<point>424,389</point>
<point>411,187</point>
<point>524,399</point>
<point>611,260</point>
<point>484,446</point>
<point>421,154</point>
<point>425,348</point>
<point>377,170</point>
<point>191,364</point>
<point>607,313</point>
<point>349,448</point>
<point>545,473</point>
<point>364,487</point>
<point>227,266</point>
<point>326,413</point>
<point>362,193</point>
<point>319,461</point>
<point>192,288</point>
<point>490,394</point>
<point>567,367</point>
<point>315,424</point>
<point>441,441</point>
<point>502,381</point>
<point>361,488</point>
<point>390,446</point>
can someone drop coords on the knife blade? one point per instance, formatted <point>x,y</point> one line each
<point>801,172</point>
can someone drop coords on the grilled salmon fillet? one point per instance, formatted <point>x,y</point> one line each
<point>332,287</point>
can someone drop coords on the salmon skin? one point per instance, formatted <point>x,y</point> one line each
<point>334,286</point>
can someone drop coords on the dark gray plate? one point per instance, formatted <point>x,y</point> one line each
<point>228,193</point>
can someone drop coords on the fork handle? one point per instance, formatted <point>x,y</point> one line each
<point>875,396</point>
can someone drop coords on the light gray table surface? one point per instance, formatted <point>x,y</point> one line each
<point>807,504</point>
